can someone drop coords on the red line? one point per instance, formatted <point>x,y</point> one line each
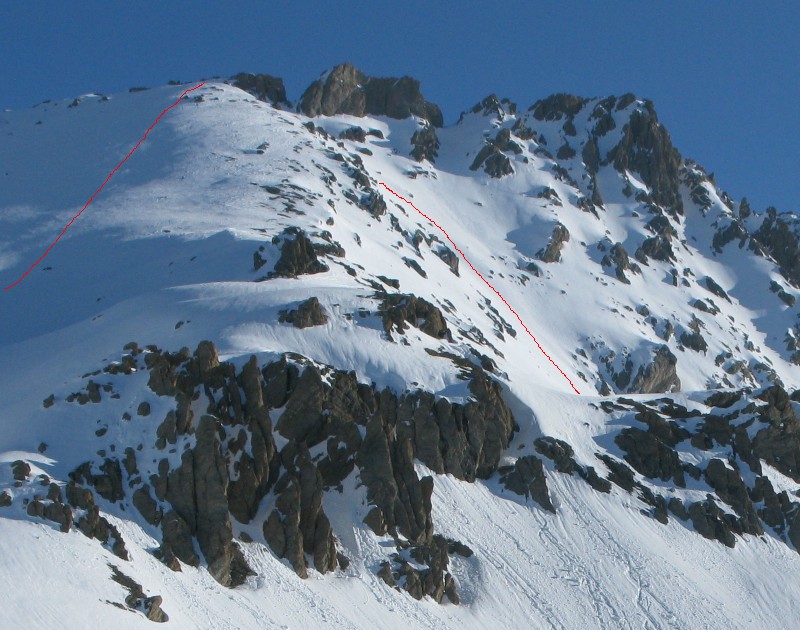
<point>488,284</point>
<point>97,192</point>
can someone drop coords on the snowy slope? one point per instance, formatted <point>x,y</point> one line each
<point>165,256</point>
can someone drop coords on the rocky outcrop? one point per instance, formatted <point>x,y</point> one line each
<point>492,106</point>
<point>20,470</point>
<point>136,599</point>
<point>526,477</point>
<point>374,203</point>
<point>658,376</point>
<point>650,456</point>
<point>264,87</point>
<point>92,524</point>
<point>449,257</point>
<point>399,310</point>
<point>298,525</point>
<point>714,288</point>
<point>493,156</point>
<point>308,313</point>
<point>425,143</point>
<point>434,581</point>
<point>347,90</point>
<point>231,465</point>
<point>646,148</point>
<point>618,258</point>
<point>552,253</point>
<point>711,522</point>
<point>656,247</point>
<point>298,255</point>
<point>694,340</point>
<point>728,484</point>
<point>778,237</point>
<point>558,107</point>
<point>779,443</point>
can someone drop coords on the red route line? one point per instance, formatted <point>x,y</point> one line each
<point>488,284</point>
<point>97,192</point>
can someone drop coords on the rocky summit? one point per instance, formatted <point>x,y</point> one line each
<point>253,386</point>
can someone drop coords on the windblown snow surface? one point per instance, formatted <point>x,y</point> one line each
<point>165,256</point>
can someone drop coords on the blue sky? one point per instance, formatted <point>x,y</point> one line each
<point>725,77</point>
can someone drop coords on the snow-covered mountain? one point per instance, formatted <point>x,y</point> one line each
<point>254,386</point>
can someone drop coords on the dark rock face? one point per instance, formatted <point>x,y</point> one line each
<point>53,510</point>
<point>413,264</point>
<point>734,230</point>
<point>729,486</point>
<point>498,165</point>
<point>137,600</point>
<point>527,478</point>
<point>552,253</point>
<point>711,522</point>
<point>347,90</point>
<point>212,525</point>
<point>449,258</point>
<point>559,451</point>
<point>558,106</point>
<point>779,443</point>
<point>399,310</point>
<point>20,470</point>
<point>565,152</point>
<point>786,298</point>
<point>298,256</point>
<point>91,524</point>
<point>374,203</point>
<point>356,134</point>
<point>176,542</point>
<point>694,341</point>
<point>434,581</point>
<point>298,525</point>
<point>778,236</point>
<point>263,86</point>
<point>425,143</point>
<point>591,155</point>
<point>492,156</point>
<point>618,258</point>
<point>656,247</point>
<point>107,483</point>
<point>233,465</point>
<point>752,497</point>
<point>715,288</point>
<point>658,376</point>
<point>650,456</point>
<point>308,313</point>
<point>646,148</point>
<point>493,106</point>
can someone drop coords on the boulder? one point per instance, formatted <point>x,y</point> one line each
<point>20,470</point>
<point>399,310</point>
<point>308,313</point>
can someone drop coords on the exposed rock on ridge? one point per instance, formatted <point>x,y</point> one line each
<point>347,90</point>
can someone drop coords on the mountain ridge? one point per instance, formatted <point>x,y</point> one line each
<point>252,363</point>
